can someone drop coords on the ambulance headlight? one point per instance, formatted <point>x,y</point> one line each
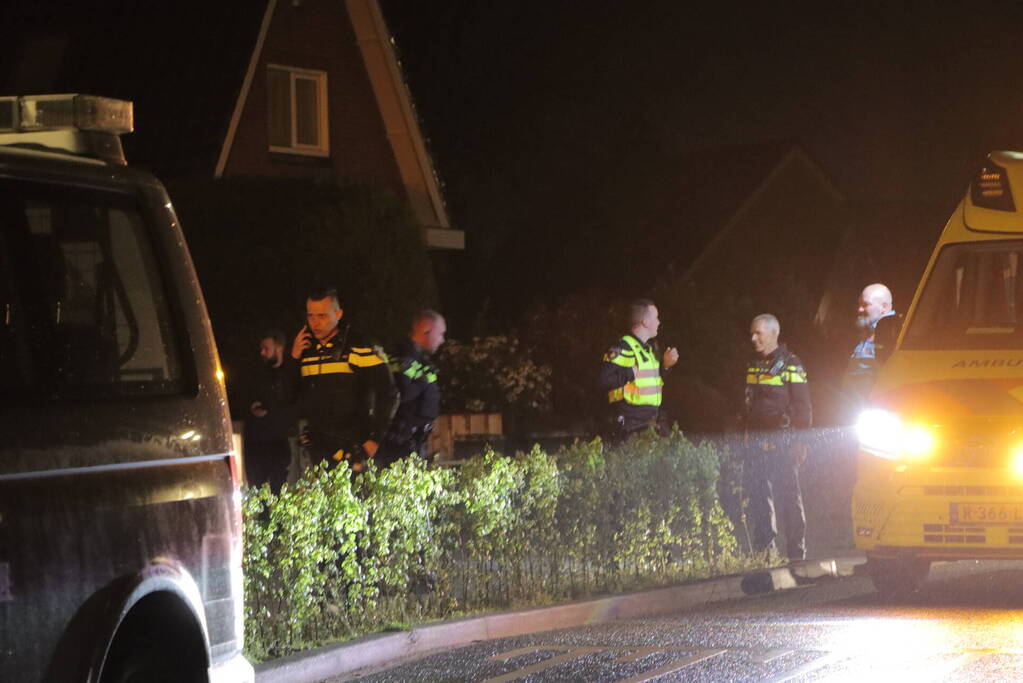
<point>884,434</point>
<point>1016,461</point>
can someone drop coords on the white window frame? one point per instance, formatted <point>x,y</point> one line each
<point>320,79</point>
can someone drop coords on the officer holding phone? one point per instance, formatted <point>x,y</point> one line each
<point>346,394</point>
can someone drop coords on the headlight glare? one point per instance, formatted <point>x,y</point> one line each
<point>1016,461</point>
<point>878,430</point>
<point>917,442</point>
<point>884,433</point>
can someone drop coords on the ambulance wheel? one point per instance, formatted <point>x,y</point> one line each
<point>897,578</point>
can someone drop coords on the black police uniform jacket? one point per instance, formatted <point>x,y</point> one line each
<point>777,392</point>
<point>419,394</point>
<point>345,388</point>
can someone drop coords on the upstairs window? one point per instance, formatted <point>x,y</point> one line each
<point>298,110</point>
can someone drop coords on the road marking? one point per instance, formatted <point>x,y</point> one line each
<point>625,655</point>
<point>630,655</point>
<point>768,656</point>
<point>672,667</point>
<point>641,653</point>
<point>811,666</point>
<point>570,654</point>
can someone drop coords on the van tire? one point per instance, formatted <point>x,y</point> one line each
<point>151,662</point>
<point>897,578</point>
<point>153,651</point>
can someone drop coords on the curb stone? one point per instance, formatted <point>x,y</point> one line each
<point>338,659</point>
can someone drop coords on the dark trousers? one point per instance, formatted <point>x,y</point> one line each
<point>392,451</point>
<point>771,480</point>
<point>332,449</point>
<point>620,425</point>
<point>267,462</point>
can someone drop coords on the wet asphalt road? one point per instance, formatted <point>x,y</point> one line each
<point>965,624</point>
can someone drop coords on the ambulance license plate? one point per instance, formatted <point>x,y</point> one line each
<point>986,513</point>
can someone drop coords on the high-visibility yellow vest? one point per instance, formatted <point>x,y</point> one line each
<point>645,390</point>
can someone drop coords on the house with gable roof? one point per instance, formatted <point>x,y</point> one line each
<point>726,214</point>
<point>288,88</point>
<point>716,235</point>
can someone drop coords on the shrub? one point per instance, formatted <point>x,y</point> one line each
<point>491,374</point>
<point>334,556</point>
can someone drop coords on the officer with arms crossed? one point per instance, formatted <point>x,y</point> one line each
<point>416,377</point>
<point>777,409</point>
<point>345,390</point>
<point>631,372</point>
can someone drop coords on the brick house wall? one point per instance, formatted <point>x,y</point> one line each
<point>316,34</point>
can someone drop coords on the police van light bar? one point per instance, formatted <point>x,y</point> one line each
<point>38,113</point>
<point>990,188</point>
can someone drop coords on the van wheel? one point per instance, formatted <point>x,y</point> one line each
<point>896,578</point>
<point>146,657</point>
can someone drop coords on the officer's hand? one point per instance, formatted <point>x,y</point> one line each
<point>257,409</point>
<point>670,357</point>
<point>371,448</point>
<point>303,340</point>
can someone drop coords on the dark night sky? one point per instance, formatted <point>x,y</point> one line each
<point>527,104</point>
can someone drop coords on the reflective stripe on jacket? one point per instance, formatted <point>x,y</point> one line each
<point>645,389</point>
<point>419,393</point>
<point>777,392</point>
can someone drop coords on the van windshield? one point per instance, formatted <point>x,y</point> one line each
<point>972,300</point>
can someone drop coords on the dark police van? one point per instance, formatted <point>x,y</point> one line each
<point>120,518</point>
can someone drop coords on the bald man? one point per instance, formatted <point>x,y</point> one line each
<point>878,325</point>
<point>415,375</point>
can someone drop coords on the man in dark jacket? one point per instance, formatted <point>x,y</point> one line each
<point>879,326</point>
<point>419,394</point>
<point>346,394</point>
<point>269,415</point>
<point>777,415</point>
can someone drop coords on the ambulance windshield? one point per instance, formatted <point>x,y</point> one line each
<point>972,300</point>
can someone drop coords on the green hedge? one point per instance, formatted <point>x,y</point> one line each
<point>333,556</point>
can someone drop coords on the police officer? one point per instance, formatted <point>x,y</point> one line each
<point>777,409</point>
<point>879,326</point>
<point>419,394</point>
<point>346,394</point>
<point>631,372</point>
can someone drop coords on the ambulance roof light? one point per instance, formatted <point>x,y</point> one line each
<point>990,188</point>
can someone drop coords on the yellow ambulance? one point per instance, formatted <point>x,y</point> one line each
<point>940,469</point>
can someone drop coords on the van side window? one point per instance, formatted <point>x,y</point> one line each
<point>96,314</point>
